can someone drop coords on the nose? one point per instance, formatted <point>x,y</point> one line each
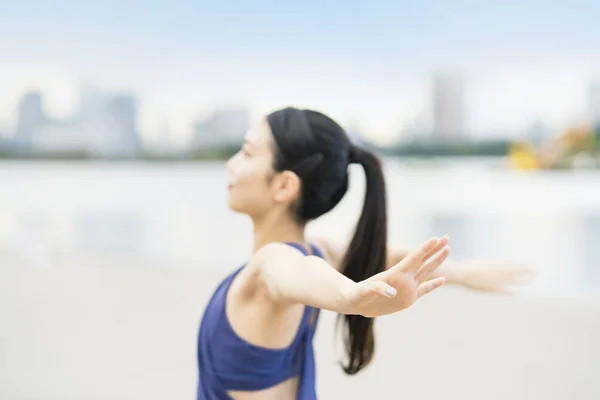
<point>230,164</point>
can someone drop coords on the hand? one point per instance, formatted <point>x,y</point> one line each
<point>402,285</point>
<point>489,276</point>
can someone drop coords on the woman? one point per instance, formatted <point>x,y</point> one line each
<point>255,339</point>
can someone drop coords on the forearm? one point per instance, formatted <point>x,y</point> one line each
<point>311,281</point>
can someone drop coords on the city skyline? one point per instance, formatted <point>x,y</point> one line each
<point>440,103</point>
<point>369,66</point>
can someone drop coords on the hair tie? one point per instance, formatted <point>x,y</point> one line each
<point>355,155</point>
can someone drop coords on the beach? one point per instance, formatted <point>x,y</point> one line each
<point>89,329</point>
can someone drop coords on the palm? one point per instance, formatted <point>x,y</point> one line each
<point>409,280</point>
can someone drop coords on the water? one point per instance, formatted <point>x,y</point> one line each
<point>176,215</point>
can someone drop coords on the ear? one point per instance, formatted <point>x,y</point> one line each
<point>286,186</point>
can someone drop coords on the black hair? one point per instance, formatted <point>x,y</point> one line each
<point>319,151</point>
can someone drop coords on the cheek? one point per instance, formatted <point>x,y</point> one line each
<point>249,175</point>
<point>250,169</point>
<point>251,191</point>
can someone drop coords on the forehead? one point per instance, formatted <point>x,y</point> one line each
<point>259,135</point>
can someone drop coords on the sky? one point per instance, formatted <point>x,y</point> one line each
<point>364,63</point>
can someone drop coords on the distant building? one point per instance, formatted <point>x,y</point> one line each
<point>122,119</point>
<point>223,128</point>
<point>104,126</point>
<point>60,137</point>
<point>31,116</point>
<point>448,97</point>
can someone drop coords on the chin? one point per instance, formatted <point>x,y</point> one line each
<point>232,206</point>
<point>241,207</point>
<point>235,206</point>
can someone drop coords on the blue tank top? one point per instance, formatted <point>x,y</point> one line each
<point>226,362</point>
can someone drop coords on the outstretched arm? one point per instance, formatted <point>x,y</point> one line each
<point>289,277</point>
<point>479,275</point>
<point>473,274</point>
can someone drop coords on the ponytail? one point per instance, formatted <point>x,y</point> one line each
<point>365,257</point>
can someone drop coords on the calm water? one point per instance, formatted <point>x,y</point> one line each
<point>176,215</point>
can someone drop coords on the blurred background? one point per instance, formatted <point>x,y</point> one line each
<point>116,118</point>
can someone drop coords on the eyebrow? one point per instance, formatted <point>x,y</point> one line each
<point>249,142</point>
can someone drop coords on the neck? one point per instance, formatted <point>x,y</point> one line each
<point>277,228</point>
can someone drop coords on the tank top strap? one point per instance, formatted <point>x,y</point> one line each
<point>307,310</point>
<point>314,250</point>
<point>298,247</point>
<point>310,314</point>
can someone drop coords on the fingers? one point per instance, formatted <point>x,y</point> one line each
<point>431,265</point>
<point>442,242</point>
<point>415,259</point>
<point>430,286</point>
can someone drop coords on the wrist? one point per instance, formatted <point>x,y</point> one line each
<point>347,298</point>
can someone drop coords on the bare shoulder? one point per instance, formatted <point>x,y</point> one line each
<point>273,254</point>
<point>250,284</point>
<point>263,261</point>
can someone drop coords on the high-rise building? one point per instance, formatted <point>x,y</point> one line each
<point>31,116</point>
<point>122,114</point>
<point>223,128</point>
<point>104,126</point>
<point>448,106</point>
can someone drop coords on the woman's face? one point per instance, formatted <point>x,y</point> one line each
<point>254,187</point>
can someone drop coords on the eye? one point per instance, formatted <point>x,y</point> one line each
<point>245,152</point>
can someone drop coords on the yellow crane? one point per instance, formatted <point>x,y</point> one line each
<point>560,152</point>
